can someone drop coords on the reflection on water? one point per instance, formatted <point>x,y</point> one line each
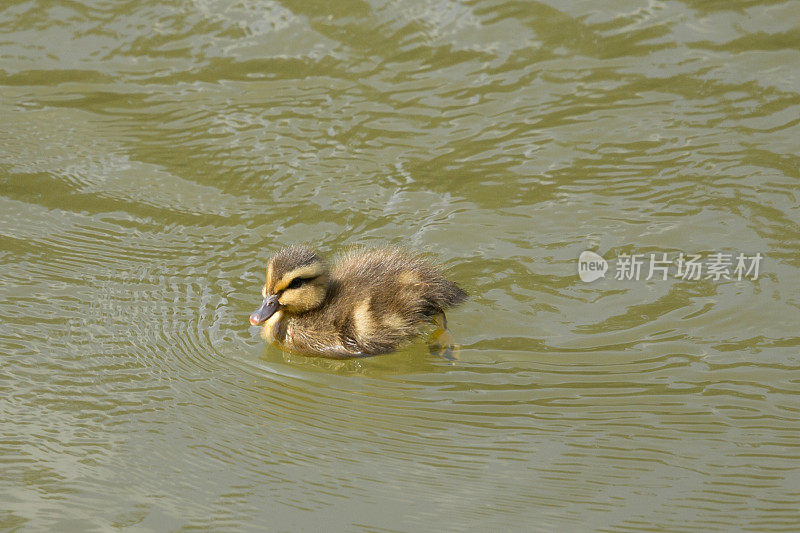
<point>154,156</point>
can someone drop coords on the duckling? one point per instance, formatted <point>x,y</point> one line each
<point>370,302</point>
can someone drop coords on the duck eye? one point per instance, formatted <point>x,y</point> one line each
<point>296,282</point>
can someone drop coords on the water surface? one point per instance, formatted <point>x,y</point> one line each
<point>154,155</point>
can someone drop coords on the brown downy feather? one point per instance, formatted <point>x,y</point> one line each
<point>370,302</point>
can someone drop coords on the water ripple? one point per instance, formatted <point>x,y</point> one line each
<point>146,177</point>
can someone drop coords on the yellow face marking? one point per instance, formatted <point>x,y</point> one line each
<point>307,271</point>
<point>304,297</point>
<point>269,279</point>
<point>270,326</point>
<point>408,277</point>
<point>362,319</point>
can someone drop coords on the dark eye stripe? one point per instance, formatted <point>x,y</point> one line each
<point>296,282</point>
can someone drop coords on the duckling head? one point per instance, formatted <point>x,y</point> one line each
<point>297,282</point>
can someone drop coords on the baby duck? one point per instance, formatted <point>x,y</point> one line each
<point>370,302</point>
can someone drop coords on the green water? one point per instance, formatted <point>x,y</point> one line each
<point>153,155</point>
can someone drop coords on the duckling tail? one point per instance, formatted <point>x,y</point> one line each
<point>449,294</point>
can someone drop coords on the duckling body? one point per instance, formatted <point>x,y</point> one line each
<point>370,302</point>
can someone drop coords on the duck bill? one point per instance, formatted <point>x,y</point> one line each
<point>267,309</point>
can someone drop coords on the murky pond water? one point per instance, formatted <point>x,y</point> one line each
<point>153,155</point>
